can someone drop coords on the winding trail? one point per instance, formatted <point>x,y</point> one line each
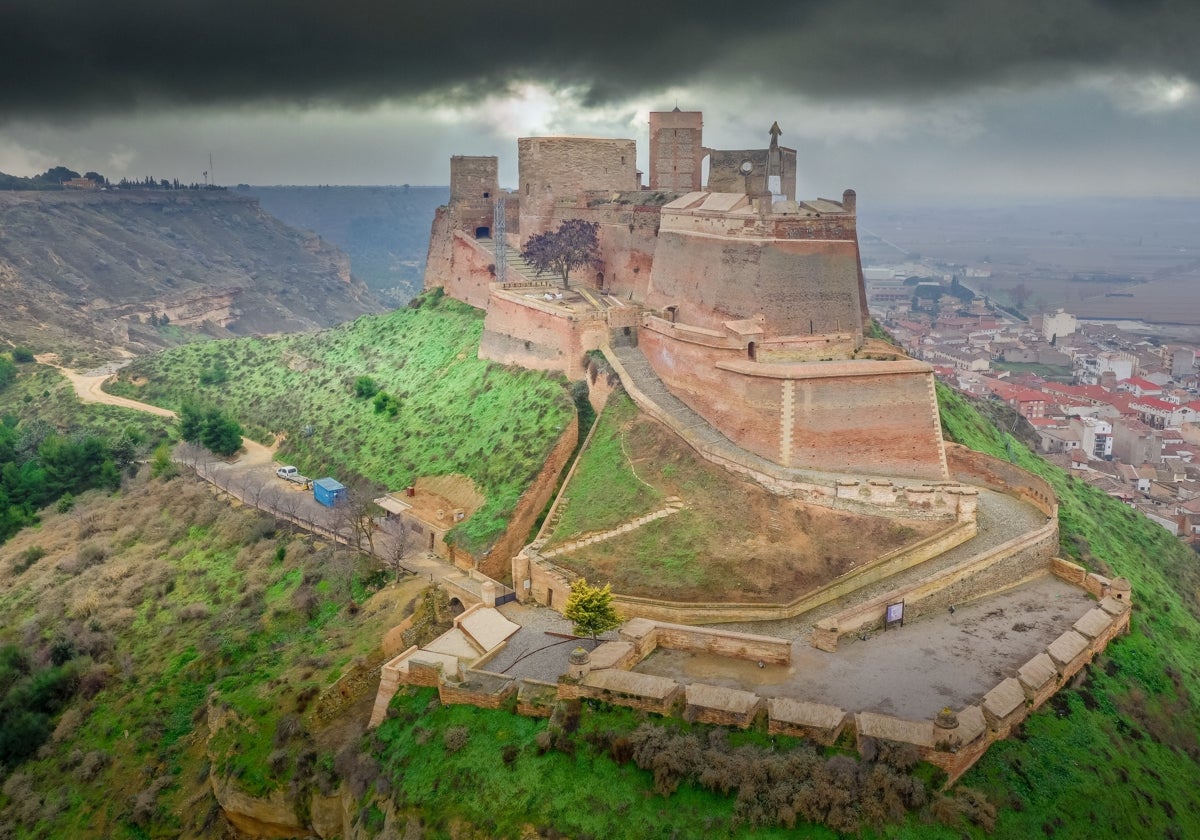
<point>89,388</point>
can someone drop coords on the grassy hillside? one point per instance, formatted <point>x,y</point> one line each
<point>158,603</point>
<point>453,412</point>
<point>168,606</point>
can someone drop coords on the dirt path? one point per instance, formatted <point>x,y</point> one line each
<point>89,388</point>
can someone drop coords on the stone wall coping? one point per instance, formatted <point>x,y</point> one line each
<point>804,713</point>
<point>631,682</point>
<point>1093,623</point>
<point>1004,699</point>
<point>720,697</point>
<point>1114,606</point>
<point>719,634</point>
<point>971,724</point>
<point>429,657</point>
<point>487,626</point>
<point>823,370</point>
<point>609,654</point>
<point>888,728</point>
<point>1066,647</point>
<point>1037,672</point>
<point>454,642</point>
<point>638,628</point>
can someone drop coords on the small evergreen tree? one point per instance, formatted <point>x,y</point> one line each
<point>591,609</point>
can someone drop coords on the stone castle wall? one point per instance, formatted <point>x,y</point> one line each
<point>790,287</point>
<point>864,417</point>
<point>519,331</point>
<point>556,168</point>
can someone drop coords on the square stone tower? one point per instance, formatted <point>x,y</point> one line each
<point>676,150</point>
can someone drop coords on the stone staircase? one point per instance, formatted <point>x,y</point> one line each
<point>518,265</point>
<point>674,504</point>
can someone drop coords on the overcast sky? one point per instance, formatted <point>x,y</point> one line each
<point>921,99</point>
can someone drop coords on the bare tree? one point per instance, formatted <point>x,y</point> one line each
<point>398,549</point>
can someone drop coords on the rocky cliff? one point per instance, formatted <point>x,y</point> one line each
<point>95,273</point>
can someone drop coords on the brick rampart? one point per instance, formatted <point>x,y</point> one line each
<point>517,331</point>
<point>487,691</point>
<point>971,467</point>
<point>824,417</point>
<point>793,288</point>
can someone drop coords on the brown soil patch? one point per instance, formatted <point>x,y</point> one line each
<point>734,541</point>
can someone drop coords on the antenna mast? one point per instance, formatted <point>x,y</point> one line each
<point>499,239</point>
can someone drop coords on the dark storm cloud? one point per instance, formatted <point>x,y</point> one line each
<point>62,57</point>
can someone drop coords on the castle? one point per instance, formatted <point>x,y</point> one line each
<point>747,305</point>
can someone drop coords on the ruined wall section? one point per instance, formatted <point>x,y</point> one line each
<point>797,287</point>
<point>745,171</point>
<point>556,170</point>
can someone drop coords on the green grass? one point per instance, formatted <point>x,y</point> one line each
<point>1059,372</point>
<point>456,414</point>
<point>584,795</point>
<point>605,492</point>
<point>43,394</point>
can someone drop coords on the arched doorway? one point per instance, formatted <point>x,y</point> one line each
<point>752,351</point>
<point>599,279</point>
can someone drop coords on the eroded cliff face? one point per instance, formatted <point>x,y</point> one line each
<point>95,273</point>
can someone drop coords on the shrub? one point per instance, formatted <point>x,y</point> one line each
<point>22,355</point>
<point>365,387</point>
<point>28,557</point>
<point>455,738</point>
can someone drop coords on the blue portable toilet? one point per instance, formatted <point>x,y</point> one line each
<point>328,491</point>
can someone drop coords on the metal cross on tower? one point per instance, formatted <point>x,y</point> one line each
<point>499,240</point>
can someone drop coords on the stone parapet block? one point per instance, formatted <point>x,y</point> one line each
<point>1003,703</point>
<point>801,719</point>
<point>720,706</point>
<point>1069,652</point>
<point>1038,678</point>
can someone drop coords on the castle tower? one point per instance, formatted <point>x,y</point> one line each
<point>676,150</point>
<point>474,186</point>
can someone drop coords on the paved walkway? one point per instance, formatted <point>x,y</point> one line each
<point>912,671</point>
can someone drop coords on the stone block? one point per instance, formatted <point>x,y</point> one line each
<point>802,719</point>
<point>1094,624</point>
<point>1069,652</point>
<point>720,705</point>
<point>899,730</point>
<point>620,655</point>
<point>1003,703</point>
<point>1113,606</point>
<point>1038,678</point>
